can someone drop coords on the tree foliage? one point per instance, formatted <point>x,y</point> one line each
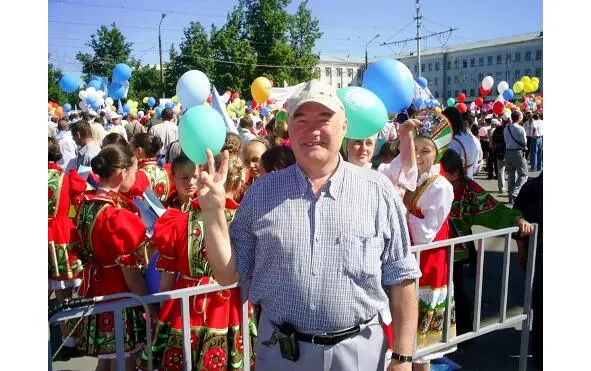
<point>54,92</point>
<point>109,47</point>
<point>145,82</point>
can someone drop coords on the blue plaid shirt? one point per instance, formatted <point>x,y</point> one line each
<point>322,264</point>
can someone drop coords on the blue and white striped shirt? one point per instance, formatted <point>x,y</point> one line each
<point>322,263</point>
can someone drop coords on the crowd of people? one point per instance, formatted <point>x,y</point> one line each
<point>321,225</point>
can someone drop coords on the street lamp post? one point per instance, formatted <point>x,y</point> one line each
<point>160,47</point>
<point>366,45</point>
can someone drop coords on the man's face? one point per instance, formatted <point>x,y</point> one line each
<point>316,133</point>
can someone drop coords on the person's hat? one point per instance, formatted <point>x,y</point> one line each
<point>506,116</point>
<point>437,128</point>
<point>317,92</point>
<point>494,122</point>
<point>488,117</point>
<point>113,116</point>
<point>140,114</point>
<point>92,113</point>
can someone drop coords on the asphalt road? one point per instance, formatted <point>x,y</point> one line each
<point>496,351</point>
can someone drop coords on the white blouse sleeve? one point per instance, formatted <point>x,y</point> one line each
<point>435,204</point>
<point>399,178</point>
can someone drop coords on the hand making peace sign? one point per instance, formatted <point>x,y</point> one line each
<point>211,192</point>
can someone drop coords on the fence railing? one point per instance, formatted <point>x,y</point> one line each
<point>128,300</point>
<point>504,322</point>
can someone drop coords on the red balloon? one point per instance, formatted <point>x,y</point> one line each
<point>461,98</point>
<point>498,108</point>
<point>253,105</point>
<point>209,98</point>
<point>54,105</point>
<point>462,107</point>
<point>479,101</point>
<point>234,96</point>
<point>228,92</point>
<point>484,92</point>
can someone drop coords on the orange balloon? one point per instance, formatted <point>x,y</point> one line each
<point>113,109</point>
<point>59,111</point>
<point>49,107</point>
<point>261,89</point>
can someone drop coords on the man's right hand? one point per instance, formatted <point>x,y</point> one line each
<point>211,192</point>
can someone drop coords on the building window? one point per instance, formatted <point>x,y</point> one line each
<point>528,55</point>
<point>480,77</point>
<point>456,79</point>
<point>517,56</point>
<point>435,82</point>
<point>456,93</point>
<point>339,72</point>
<point>449,65</point>
<point>481,61</point>
<point>430,66</point>
<point>416,68</point>
<point>422,67</point>
<point>499,59</point>
<point>338,85</point>
<point>508,57</point>
<point>448,80</point>
<point>538,72</point>
<point>464,63</point>
<point>350,72</point>
<point>472,62</point>
<point>471,92</point>
<point>489,60</point>
<point>436,94</point>
<point>436,66</point>
<point>498,76</point>
<point>538,54</point>
<point>327,71</point>
<point>517,74</point>
<point>527,71</point>
<point>456,64</point>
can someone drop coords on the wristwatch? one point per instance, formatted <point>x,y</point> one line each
<point>401,358</point>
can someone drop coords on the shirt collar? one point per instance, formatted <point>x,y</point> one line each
<point>333,186</point>
<point>435,169</point>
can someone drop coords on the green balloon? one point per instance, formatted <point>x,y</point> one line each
<point>366,113</point>
<point>201,127</point>
<point>451,102</point>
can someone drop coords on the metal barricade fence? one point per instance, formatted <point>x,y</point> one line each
<point>504,322</point>
<point>184,294</point>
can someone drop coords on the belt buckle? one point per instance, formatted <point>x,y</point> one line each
<point>313,336</point>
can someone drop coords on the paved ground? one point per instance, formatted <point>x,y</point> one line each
<point>497,351</point>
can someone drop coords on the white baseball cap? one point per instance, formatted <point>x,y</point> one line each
<point>318,92</point>
<point>506,116</point>
<point>113,116</point>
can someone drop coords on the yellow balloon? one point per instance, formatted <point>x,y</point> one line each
<point>261,89</point>
<point>528,88</point>
<point>535,86</point>
<point>525,80</point>
<point>535,80</point>
<point>438,109</point>
<point>133,111</point>
<point>174,99</point>
<point>177,109</point>
<point>518,87</point>
<point>507,110</point>
<point>145,100</point>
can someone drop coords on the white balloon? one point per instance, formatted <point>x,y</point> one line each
<point>90,92</point>
<point>82,95</point>
<point>100,93</point>
<point>503,85</point>
<point>100,101</point>
<point>83,105</point>
<point>109,101</point>
<point>488,82</point>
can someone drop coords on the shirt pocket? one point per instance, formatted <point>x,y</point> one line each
<point>361,255</point>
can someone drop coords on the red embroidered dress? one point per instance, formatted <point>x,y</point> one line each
<point>150,174</point>
<point>63,238</point>
<point>111,237</point>
<point>216,340</point>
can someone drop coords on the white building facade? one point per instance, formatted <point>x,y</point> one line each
<point>451,70</point>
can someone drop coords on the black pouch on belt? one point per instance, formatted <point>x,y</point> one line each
<point>288,343</point>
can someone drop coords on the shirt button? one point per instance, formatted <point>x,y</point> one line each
<point>316,239</point>
<point>312,306</point>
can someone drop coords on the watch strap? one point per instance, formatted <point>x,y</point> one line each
<point>401,358</point>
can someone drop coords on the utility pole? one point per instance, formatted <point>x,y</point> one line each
<point>161,63</point>
<point>366,45</point>
<point>418,19</point>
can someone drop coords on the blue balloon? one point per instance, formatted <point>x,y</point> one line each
<point>69,83</point>
<point>126,108</point>
<point>169,105</point>
<point>151,102</point>
<point>116,90</point>
<point>508,94</point>
<point>158,111</point>
<point>193,88</point>
<point>90,101</point>
<point>152,275</point>
<point>201,128</point>
<point>265,111</point>
<point>121,72</point>
<point>94,84</point>
<point>248,103</point>
<point>419,102</point>
<point>95,106</point>
<point>436,103</point>
<point>67,107</point>
<point>422,82</point>
<point>392,82</point>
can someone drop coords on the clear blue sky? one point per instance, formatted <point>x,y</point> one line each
<point>346,25</point>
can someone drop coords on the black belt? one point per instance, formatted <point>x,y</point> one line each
<point>511,149</point>
<point>328,338</point>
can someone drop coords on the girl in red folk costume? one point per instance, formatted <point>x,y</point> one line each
<point>216,338</point>
<point>150,174</point>
<point>111,237</point>
<point>63,239</point>
<point>428,220</point>
<point>185,176</point>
